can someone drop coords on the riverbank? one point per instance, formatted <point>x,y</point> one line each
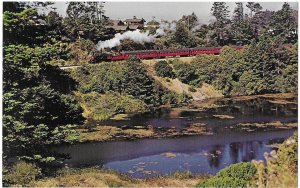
<point>112,133</point>
<point>93,177</point>
<point>209,115</point>
<point>279,170</point>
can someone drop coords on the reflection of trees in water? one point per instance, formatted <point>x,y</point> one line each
<point>249,151</point>
<point>215,156</point>
<point>275,141</point>
<point>234,152</point>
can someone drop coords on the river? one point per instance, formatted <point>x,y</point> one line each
<point>202,154</point>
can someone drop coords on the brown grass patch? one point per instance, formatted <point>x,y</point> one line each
<point>92,177</point>
<point>223,116</point>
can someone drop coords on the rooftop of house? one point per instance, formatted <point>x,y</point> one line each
<point>134,19</point>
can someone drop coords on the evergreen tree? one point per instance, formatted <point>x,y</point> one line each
<point>221,13</point>
<point>39,109</point>
<point>85,19</point>
<point>284,23</point>
<point>241,30</point>
<point>253,7</point>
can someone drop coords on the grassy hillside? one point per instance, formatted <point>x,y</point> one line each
<point>198,92</point>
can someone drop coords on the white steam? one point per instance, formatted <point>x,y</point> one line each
<point>165,26</point>
<point>136,36</point>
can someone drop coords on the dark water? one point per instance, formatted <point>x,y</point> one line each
<point>197,154</point>
<point>248,111</point>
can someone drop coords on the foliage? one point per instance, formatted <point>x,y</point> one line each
<point>253,7</point>
<point>21,174</point>
<point>103,106</point>
<point>220,12</point>
<point>236,175</point>
<point>281,167</point>
<point>86,20</point>
<point>263,67</point>
<point>183,36</point>
<point>174,98</point>
<point>128,77</point>
<point>284,24</point>
<point>82,51</point>
<point>185,72</point>
<point>163,69</point>
<point>39,109</point>
<point>190,20</point>
<point>130,45</point>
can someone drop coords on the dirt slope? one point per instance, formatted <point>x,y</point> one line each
<point>204,92</point>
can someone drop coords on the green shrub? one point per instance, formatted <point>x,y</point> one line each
<point>163,69</point>
<point>174,98</point>
<point>103,106</point>
<point>82,51</point>
<point>236,175</point>
<point>21,174</point>
<point>280,169</point>
<point>185,72</point>
<point>129,78</point>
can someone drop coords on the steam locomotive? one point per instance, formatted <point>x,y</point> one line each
<point>152,54</point>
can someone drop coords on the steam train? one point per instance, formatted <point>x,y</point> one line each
<point>152,54</point>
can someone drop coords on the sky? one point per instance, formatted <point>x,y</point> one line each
<point>167,10</point>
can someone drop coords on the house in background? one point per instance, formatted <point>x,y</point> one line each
<point>118,26</point>
<point>135,23</point>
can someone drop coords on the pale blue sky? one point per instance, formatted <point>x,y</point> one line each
<point>167,10</point>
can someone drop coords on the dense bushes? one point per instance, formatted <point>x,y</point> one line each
<point>39,108</point>
<point>236,175</point>
<point>185,72</point>
<point>163,69</point>
<point>103,106</point>
<point>21,174</point>
<point>122,77</point>
<point>281,167</point>
<point>262,67</point>
<point>82,51</point>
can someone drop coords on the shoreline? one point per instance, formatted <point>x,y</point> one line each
<point>113,133</point>
<point>106,132</point>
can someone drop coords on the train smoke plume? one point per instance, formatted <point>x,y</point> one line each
<point>136,36</point>
<point>165,27</point>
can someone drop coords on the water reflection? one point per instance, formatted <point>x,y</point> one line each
<point>198,154</point>
<point>234,152</point>
<point>244,111</point>
<point>216,155</point>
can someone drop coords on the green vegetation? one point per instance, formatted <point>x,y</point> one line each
<point>263,67</point>
<point>281,167</point>
<point>122,77</point>
<point>279,171</point>
<point>103,106</point>
<point>163,69</point>
<point>184,72</point>
<point>22,174</point>
<point>43,105</point>
<point>39,108</point>
<point>108,89</point>
<point>236,175</point>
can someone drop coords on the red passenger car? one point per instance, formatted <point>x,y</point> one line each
<point>151,54</point>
